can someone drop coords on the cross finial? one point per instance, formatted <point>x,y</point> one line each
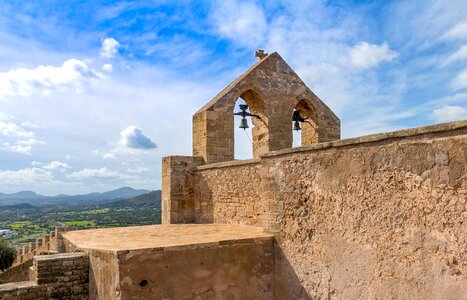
<point>260,54</point>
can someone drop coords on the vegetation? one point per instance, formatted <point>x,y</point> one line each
<point>7,255</point>
<point>79,224</point>
<point>29,223</point>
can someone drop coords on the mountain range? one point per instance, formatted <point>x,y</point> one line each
<point>35,199</point>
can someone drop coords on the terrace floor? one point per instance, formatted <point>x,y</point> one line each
<point>163,236</point>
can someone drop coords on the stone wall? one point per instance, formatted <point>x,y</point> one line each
<point>235,200</point>
<point>235,270</point>
<point>377,217</point>
<point>17,273</point>
<point>44,245</point>
<point>176,187</point>
<point>59,276</point>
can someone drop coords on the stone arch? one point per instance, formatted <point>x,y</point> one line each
<point>272,90</point>
<point>309,130</point>
<point>260,131</point>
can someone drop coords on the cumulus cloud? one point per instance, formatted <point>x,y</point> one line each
<point>102,173</point>
<point>449,113</point>
<point>11,129</point>
<point>21,146</point>
<point>365,55</point>
<point>109,48</point>
<point>26,176</point>
<point>43,80</point>
<point>133,137</point>
<point>107,67</point>
<point>243,22</point>
<point>14,138</point>
<point>459,31</point>
<point>56,165</point>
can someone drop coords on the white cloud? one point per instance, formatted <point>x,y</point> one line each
<point>24,177</point>
<point>365,55</point>
<point>14,138</point>
<point>459,31</point>
<point>102,173</point>
<point>30,125</point>
<point>460,81</point>
<point>243,22</point>
<point>56,165</point>
<point>133,137</point>
<point>109,155</point>
<point>138,170</point>
<point>43,80</point>
<point>449,113</point>
<point>107,67</point>
<point>459,55</point>
<point>21,146</point>
<point>109,48</point>
<point>12,129</point>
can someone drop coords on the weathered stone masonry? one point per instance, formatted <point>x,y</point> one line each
<point>272,90</point>
<point>58,276</point>
<point>375,217</point>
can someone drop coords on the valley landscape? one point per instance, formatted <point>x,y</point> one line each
<point>26,215</point>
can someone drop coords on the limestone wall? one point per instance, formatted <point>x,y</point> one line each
<point>223,193</point>
<point>59,276</point>
<point>378,217</point>
<point>17,273</point>
<point>241,269</point>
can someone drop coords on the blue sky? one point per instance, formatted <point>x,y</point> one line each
<point>94,93</point>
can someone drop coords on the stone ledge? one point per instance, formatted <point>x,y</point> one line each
<point>405,133</point>
<point>227,164</point>
<point>13,286</point>
<point>60,256</point>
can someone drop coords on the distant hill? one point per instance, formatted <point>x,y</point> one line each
<point>148,198</point>
<point>33,198</point>
<point>17,206</point>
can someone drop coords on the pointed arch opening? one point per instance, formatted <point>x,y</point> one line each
<point>308,133</point>
<point>243,143</point>
<point>253,141</point>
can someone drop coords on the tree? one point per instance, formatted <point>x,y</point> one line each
<point>7,255</point>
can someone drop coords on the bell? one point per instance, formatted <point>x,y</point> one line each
<point>243,124</point>
<point>296,126</point>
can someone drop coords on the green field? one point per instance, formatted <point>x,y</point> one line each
<point>28,224</point>
<point>84,224</point>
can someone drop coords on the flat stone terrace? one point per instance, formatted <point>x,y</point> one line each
<point>122,239</point>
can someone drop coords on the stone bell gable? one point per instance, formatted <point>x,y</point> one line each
<point>272,90</point>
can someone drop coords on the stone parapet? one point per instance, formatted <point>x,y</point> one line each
<point>60,276</point>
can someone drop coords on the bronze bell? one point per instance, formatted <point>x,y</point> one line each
<point>243,124</point>
<point>296,126</point>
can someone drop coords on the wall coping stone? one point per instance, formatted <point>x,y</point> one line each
<point>405,133</point>
<point>227,164</point>
<point>60,256</point>
<point>13,286</point>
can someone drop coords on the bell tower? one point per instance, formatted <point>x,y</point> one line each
<point>276,98</point>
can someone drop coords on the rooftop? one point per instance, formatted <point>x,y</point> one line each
<point>163,236</point>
